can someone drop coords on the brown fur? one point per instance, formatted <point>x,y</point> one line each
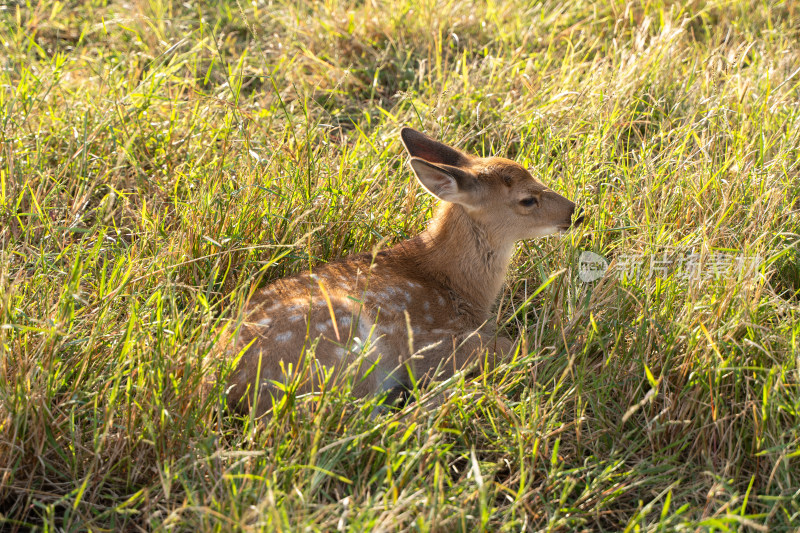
<point>421,305</point>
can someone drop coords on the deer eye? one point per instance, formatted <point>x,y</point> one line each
<point>529,202</point>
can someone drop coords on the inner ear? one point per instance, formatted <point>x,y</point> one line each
<point>421,146</point>
<point>446,182</point>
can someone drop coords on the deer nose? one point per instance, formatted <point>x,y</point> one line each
<point>577,218</point>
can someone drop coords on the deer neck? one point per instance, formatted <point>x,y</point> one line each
<point>462,254</point>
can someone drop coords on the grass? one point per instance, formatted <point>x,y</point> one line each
<point>159,159</point>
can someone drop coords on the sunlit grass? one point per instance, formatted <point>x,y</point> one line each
<point>159,160</point>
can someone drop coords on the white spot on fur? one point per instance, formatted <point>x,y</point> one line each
<point>265,322</point>
<point>390,308</point>
<point>429,319</point>
<point>321,326</point>
<point>441,300</point>
<point>426,305</point>
<point>345,321</point>
<point>284,337</point>
<point>295,318</point>
<point>364,328</point>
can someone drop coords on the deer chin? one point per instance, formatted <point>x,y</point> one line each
<point>544,232</point>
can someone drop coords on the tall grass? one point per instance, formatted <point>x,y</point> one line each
<point>159,160</point>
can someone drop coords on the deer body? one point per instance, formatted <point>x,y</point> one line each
<point>419,306</point>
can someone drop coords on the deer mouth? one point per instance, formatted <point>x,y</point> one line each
<point>576,220</point>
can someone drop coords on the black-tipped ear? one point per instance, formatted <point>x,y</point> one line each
<point>447,183</point>
<point>421,146</point>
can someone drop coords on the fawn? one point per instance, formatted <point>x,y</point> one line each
<point>420,306</point>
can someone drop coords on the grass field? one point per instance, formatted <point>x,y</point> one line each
<point>160,159</point>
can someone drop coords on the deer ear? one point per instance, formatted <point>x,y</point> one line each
<point>421,146</point>
<point>448,183</point>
